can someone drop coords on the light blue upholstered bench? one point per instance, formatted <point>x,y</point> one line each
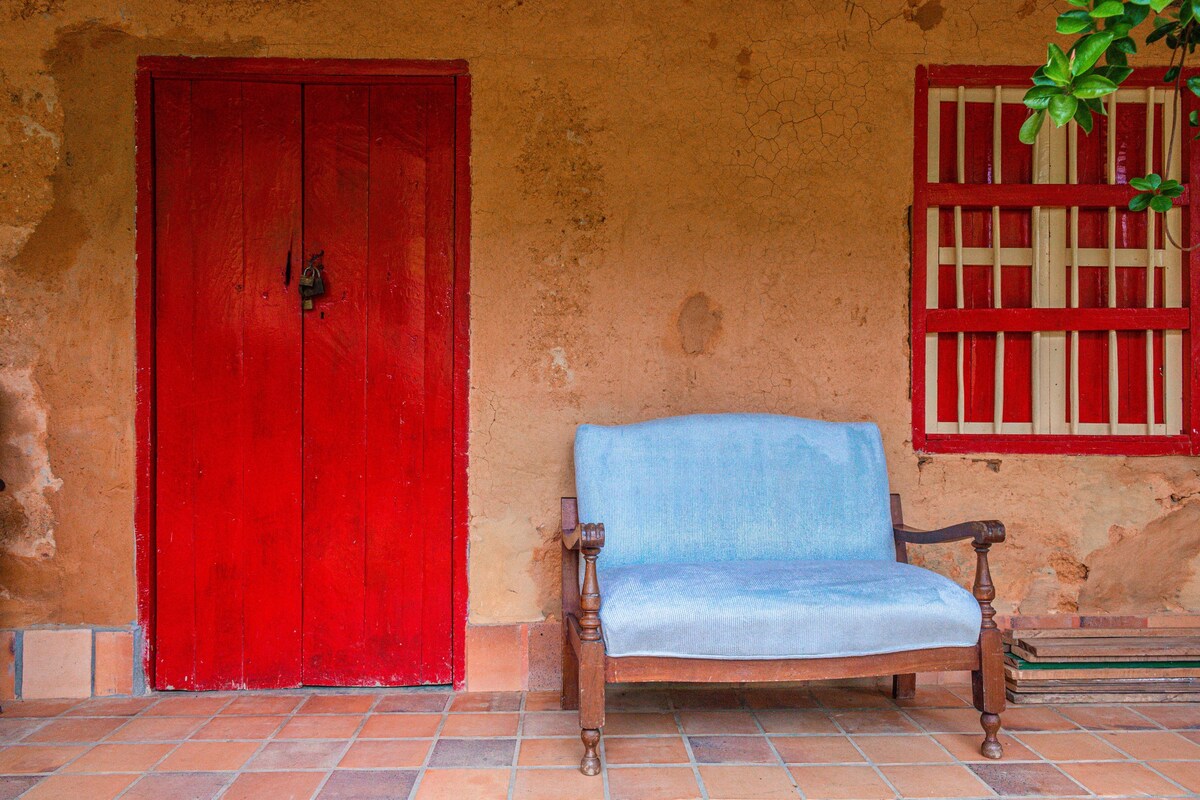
<point>755,547</point>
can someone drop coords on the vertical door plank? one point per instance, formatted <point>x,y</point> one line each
<point>218,323</point>
<point>395,393</point>
<point>335,188</point>
<point>174,310</point>
<point>437,616</point>
<point>271,394</point>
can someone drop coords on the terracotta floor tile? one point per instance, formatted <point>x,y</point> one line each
<point>274,785</point>
<point>639,723</point>
<point>702,699</point>
<point>843,698</point>
<point>400,726</point>
<point>841,783</point>
<point>1107,718</point>
<point>783,698</point>
<point>188,705</point>
<point>652,783</point>
<point>12,787</point>
<point>119,758</point>
<point>1185,773</point>
<point>747,783</point>
<point>965,747</point>
<point>412,701</point>
<point>338,704</point>
<point>1176,716</point>
<point>873,721</point>
<point>553,752</point>
<point>208,757</point>
<point>557,784</point>
<point>77,787</point>
<point>298,755</point>
<point>76,729</point>
<point>381,784</point>
<point>263,705</point>
<point>486,701</point>
<point>938,780</point>
<point>386,754</point>
<point>239,727</point>
<point>473,753</point>
<point>817,750</point>
<point>109,707</point>
<point>639,750</point>
<point>1077,746</point>
<point>325,726</point>
<point>480,725</point>
<point>1147,745</point>
<point>933,697</point>
<point>920,749</point>
<point>27,759</point>
<point>1027,779</point>
<point>796,722</point>
<point>460,784</point>
<point>731,750</point>
<point>12,730</point>
<point>948,720</point>
<point>38,708</point>
<point>547,723</point>
<point>543,701</point>
<point>723,722</point>
<point>1121,779</point>
<point>1035,719</point>
<point>156,729</point>
<point>179,786</point>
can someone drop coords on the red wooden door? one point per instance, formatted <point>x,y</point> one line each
<point>303,503</point>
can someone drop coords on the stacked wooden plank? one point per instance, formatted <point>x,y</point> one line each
<point>1102,665</point>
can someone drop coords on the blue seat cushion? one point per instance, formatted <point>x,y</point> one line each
<point>782,609</point>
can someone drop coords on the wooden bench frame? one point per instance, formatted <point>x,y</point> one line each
<point>587,668</point>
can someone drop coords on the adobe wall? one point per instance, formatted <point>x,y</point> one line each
<point>677,207</point>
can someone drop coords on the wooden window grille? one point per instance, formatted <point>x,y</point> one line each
<point>1047,317</point>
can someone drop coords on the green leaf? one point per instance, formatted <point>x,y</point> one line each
<point>1031,126</point>
<point>1108,8</point>
<point>1058,68</point>
<point>1154,180</point>
<point>1160,32</point>
<point>1194,119</point>
<point>1115,74</point>
<point>1089,50</point>
<point>1141,184</point>
<point>1062,108</point>
<point>1038,97</point>
<point>1125,45</point>
<point>1133,2</point>
<point>1136,14</point>
<point>1093,86</point>
<point>1096,105</point>
<point>1159,5</point>
<point>1171,75</point>
<point>1040,79</point>
<point>1161,204</point>
<point>1116,58</point>
<point>1074,22</point>
<point>1193,83</point>
<point>1083,118</point>
<point>1139,202</point>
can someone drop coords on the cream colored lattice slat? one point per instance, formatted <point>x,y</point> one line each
<point>997,272</point>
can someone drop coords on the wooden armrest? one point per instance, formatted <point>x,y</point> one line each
<point>576,536</point>
<point>584,539</point>
<point>981,532</point>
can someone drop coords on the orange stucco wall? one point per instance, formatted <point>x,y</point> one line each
<point>677,207</point>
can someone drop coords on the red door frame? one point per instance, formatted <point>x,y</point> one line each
<point>293,70</point>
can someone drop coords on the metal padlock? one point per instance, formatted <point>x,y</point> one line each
<point>312,282</point>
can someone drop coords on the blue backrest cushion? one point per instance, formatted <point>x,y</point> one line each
<point>735,487</point>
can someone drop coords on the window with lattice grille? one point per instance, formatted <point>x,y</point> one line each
<point>1047,317</point>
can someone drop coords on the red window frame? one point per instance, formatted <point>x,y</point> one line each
<point>927,194</point>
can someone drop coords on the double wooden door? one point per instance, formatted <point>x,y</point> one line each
<point>303,457</point>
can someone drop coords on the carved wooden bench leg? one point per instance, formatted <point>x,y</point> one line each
<point>987,682</point>
<point>904,687</point>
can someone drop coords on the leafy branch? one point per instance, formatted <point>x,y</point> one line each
<point>1073,82</point>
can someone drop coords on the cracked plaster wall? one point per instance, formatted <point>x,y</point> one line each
<point>679,207</point>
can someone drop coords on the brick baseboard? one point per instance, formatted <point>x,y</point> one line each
<point>53,662</point>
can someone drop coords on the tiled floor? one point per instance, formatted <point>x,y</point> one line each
<point>659,744</point>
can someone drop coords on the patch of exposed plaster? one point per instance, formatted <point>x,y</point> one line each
<point>926,15</point>
<point>26,515</point>
<point>699,324</point>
